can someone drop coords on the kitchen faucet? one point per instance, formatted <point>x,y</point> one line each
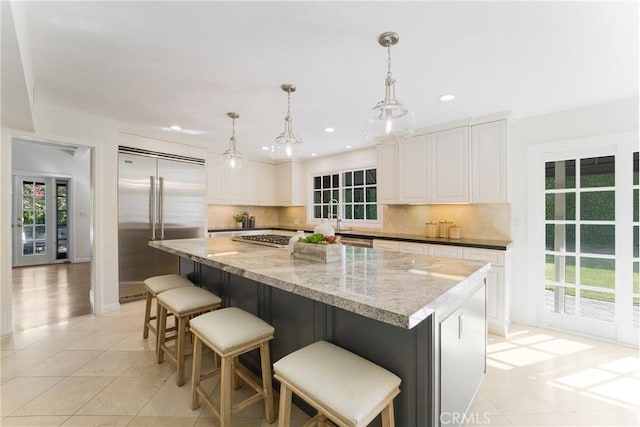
<point>338,220</point>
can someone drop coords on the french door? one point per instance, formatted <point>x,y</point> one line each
<point>587,219</point>
<point>40,220</point>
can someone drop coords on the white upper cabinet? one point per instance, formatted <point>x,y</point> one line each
<point>388,173</point>
<point>265,184</point>
<point>489,162</point>
<point>290,184</point>
<point>413,170</point>
<point>449,166</point>
<point>215,179</point>
<point>253,184</point>
<point>259,184</point>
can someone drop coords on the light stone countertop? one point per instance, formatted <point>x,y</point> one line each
<point>400,289</point>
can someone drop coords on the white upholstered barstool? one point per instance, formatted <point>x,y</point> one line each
<point>154,286</point>
<point>184,303</point>
<point>341,386</point>
<point>231,332</point>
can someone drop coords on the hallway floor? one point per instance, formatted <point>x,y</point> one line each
<point>97,370</point>
<point>48,294</point>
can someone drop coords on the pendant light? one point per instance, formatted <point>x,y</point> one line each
<point>232,158</point>
<point>389,119</point>
<point>288,145</point>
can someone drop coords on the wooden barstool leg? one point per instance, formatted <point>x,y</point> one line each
<point>284,411</point>
<point>182,331</point>
<point>160,333</point>
<point>226,374</point>
<point>387,416</point>
<point>265,361</point>
<point>236,381</point>
<point>195,372</point>
<point>147,316</point>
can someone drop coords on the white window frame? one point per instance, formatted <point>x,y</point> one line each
<point>345,223</point>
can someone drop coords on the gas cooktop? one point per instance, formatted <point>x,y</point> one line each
<point>273,240</point>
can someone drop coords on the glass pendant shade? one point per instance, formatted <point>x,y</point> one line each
<point>232,158</point>
<point>288,145</point>
<point>389,119</point>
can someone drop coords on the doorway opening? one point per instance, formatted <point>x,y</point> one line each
<point>51,224</point>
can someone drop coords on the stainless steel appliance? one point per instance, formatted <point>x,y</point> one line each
<point>159,197</point>
<point>273,240</point>
<point>360,242</point>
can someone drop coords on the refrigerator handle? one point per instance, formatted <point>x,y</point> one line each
<point>161,206</point>
<point>152,206</point>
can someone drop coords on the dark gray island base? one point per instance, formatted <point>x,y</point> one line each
<point>437,351</point>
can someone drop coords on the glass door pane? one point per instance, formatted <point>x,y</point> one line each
<point>580,237</point>
<point>636,260</point>
<point>34,213</point>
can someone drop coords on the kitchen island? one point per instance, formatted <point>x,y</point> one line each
<point>421,317</point>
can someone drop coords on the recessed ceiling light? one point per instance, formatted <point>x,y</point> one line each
<point>313,154</point>
<point>265,148</point>
<point>329,130</point>
<point>447,97</point>
<point>175,127</point>
<point>348,146</point>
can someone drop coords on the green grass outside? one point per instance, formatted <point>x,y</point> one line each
<point>600,277</point>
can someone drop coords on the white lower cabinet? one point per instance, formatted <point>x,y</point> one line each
<point>413,248</point>
<point>462,357</point>
<point>498,311</point>
<point>444,250</point>
<point>386,245</point>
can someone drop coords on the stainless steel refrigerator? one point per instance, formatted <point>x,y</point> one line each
<point>159,197</point>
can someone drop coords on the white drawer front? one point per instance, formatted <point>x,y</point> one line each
<point>487,255</point>
<point>413,248</point>
<point>444,250</point>
<point>386,245</point>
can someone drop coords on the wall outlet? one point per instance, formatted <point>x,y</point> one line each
<point>296,222</point>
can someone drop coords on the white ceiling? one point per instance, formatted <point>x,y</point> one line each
<point>155,64</point>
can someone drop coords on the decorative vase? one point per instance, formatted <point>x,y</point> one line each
<point>324,228</point>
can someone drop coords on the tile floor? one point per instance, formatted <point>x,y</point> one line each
<point>98,371</point>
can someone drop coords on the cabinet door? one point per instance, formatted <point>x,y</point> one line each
<point>413,248</point>
<point>233,182</point>
<point>413,170</point>
<point>215,179</point>
<point>444,250</point>
<point>462,354</point>
<point>289,184</point>
<point>388,178</point>
<point>449,164</point>
<point>266,184</point>
<point>495,301</point>
<point>251,178</point>
<point>386,245</point>
<point>489,163</point>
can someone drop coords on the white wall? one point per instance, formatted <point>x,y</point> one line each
<point>601,119</point>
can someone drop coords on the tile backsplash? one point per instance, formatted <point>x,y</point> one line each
<point>477,221</point>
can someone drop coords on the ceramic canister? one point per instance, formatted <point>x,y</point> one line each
<point>454,232</point>
<point>432,229</point>
<point>444,228</point>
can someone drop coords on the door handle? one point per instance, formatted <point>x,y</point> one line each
<point>152,206</point>
<point>460,325</point>
<point>161,206</point>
